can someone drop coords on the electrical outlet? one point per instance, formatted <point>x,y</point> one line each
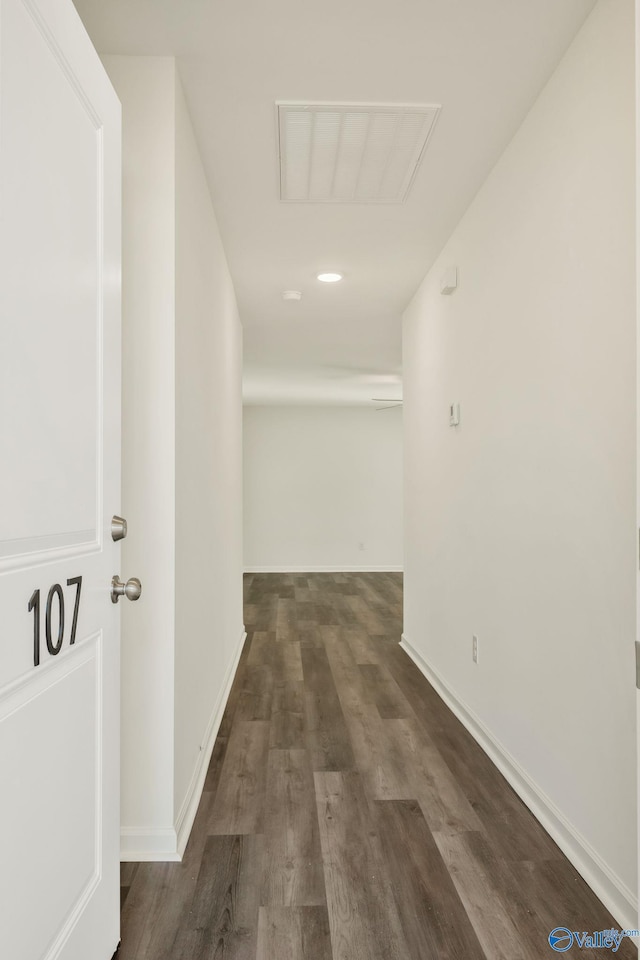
<point>475,648</point>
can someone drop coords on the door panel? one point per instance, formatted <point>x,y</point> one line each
<point>59,487</point>
<point>55,723</point>
<point>52,146</point>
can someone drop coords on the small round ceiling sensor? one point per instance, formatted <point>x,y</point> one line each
<point>292,295</point>
<point>329,277</point>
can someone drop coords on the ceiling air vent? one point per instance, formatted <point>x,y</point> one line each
<point>351,152</point>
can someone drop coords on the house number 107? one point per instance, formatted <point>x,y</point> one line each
<point>55,597</point>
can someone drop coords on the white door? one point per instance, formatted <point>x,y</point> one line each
<point>637,59</point>
<point>59,487</point>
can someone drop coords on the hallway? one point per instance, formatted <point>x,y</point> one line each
<point>347,815</point>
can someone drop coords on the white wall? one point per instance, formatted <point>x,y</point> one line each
<point>208,464</point>
<point>318,482</point>
<point>520,523</point>
<point>181,463</point>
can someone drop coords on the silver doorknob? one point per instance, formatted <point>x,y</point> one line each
<point>131,589</point>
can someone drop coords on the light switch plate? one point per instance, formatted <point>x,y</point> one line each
<point>449,281</point>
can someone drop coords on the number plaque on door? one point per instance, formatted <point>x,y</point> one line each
<point>55,597</point>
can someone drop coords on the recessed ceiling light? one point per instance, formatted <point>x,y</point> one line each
<point>291,295</point>
<point>329,277</point>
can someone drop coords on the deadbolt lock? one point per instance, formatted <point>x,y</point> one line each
<point>118,528</point>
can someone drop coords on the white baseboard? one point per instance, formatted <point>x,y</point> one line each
<point>611,890</point>
<point>189,807</point>
<point>168,843</point>
<point>142,844</point>
<point>361,568</point>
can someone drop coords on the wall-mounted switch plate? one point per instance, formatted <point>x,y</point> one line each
<point>454,414</point>
<point>474,648</point>
<point>448,281</point>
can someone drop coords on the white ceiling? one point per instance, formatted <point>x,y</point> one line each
<point>484,61</point>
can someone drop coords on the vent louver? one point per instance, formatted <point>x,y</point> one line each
<point>351,152</point>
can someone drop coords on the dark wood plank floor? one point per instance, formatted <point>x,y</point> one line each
<point>347,815</point>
